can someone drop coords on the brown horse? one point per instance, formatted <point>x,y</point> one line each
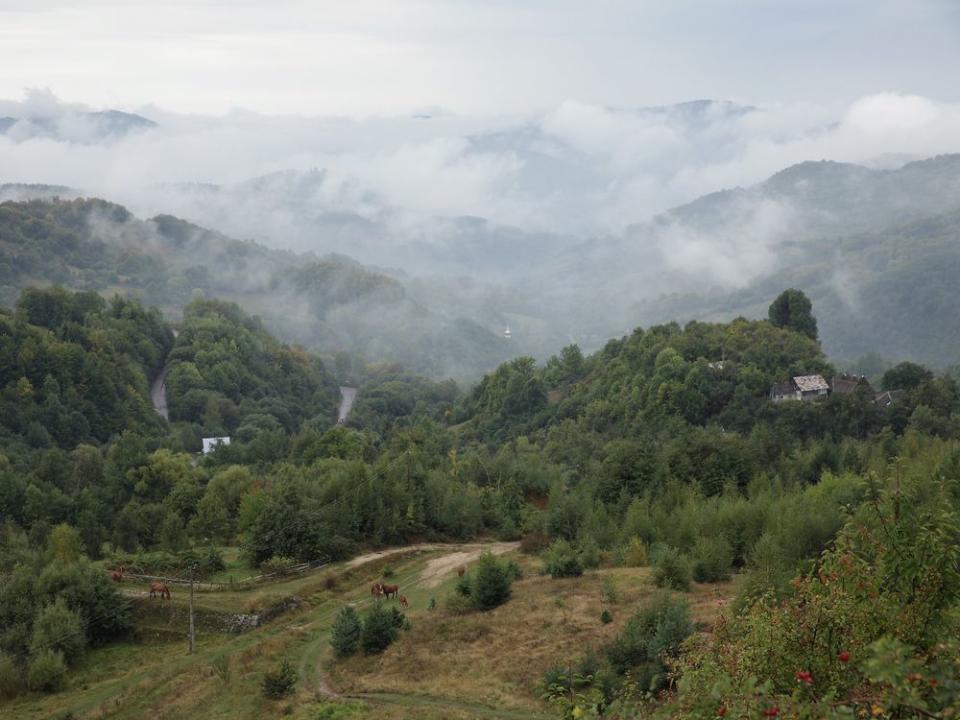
<point>117,575</point>
<point>376,590</point>
<point>404,603</point>
<point>390,590</point>
<point>461,571</point>
<point>159,589</point>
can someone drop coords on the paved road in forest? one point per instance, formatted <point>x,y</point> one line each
<point>158,393</point>
<point>347,396</point>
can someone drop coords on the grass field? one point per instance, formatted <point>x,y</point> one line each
<point>447,666</point>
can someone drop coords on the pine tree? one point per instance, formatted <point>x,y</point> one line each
<point>346,631</point>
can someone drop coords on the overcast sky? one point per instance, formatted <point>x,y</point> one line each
<point>363,57</point>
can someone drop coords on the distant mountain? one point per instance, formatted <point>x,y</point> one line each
<point>77,127</point>
<point>18,192</point>
<point>878,252</point>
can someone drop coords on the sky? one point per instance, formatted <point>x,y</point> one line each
<point>494,57</point>
<point>319,117</point>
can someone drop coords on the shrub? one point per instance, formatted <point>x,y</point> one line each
<point>278,565</point>
<point>556,680</point>
<point>490,585</point>
<point>346,631</point>
<point>9,676</point>
<point>587,668</point>
<point>712,560</point>
<point>388,571</point>
<point>635,554</point>
<point>378,630</point>
<point>508,530</point>
<point>606,618</point>
<point>59,629</point>
<point>534,542</point>
<point>279,683</point>
<point>589,554</point>
<point>672,570</point>
<point>608,590</point>
<point>561,561</point>
<point>398,619</point>
<point>47,671</point>
<point>458,604</point>
<point>649,637</point>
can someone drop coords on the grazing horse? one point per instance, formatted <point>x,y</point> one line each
<point>461,571</point>
<point>117,575</point>
<point>390,590</point>
<point>404,603</point>
<point>376,590</point>
<point>159,589</point>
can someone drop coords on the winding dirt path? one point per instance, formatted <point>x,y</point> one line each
<point>431,576</point>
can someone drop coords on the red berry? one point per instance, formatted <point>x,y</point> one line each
<point>771,711</point>
<point>804,676</point>
<point>721,711</point>
<point>844,657</point>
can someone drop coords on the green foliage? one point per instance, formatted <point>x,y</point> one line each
<point>605,617</point>
<point>277,565</point>
<point>60,629</point>
<point>74,369</point>
<point>635,553</point>
<point>792,309</point>
<point>346,632</point>
<point>873,613</point>
<point>10,678</point>
<point>280,682</point>
<point>712,560</point>
<point>47,671</point>
<point>672,570</point>
<point>379,629</point>
<point>906,376</point>
<point>561,560</point>
<point>608,590</point>
<point>223,359</point>
<point>490,582</point>
<point>649,638</point>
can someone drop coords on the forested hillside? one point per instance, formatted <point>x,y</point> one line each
<point>330,303</point>
<point>229,376</point>
<point>661,450</point>
<point>888,292</point>
<point>75,368</point>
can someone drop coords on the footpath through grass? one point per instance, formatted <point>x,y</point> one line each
<point>480,665</point>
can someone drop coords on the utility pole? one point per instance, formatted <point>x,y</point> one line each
<point>191,611</point>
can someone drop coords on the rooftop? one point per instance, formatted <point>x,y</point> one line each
<point>810,383</point>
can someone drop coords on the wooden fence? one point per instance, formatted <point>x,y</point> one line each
<point>232,584</point>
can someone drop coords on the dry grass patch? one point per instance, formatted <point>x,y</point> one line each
<point>499,657</point>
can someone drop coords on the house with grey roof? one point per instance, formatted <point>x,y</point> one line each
<point>801,387</point>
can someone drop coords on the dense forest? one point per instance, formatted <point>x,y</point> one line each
<point>320,302</point>
<point>663,448</point>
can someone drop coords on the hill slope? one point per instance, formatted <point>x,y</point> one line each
<point>331,303</point>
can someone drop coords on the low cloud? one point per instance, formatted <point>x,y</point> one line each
<point>364,186</point>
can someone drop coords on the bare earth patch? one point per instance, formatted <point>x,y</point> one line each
<point>436,570</point>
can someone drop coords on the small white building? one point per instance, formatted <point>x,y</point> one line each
<point>211,444</point>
